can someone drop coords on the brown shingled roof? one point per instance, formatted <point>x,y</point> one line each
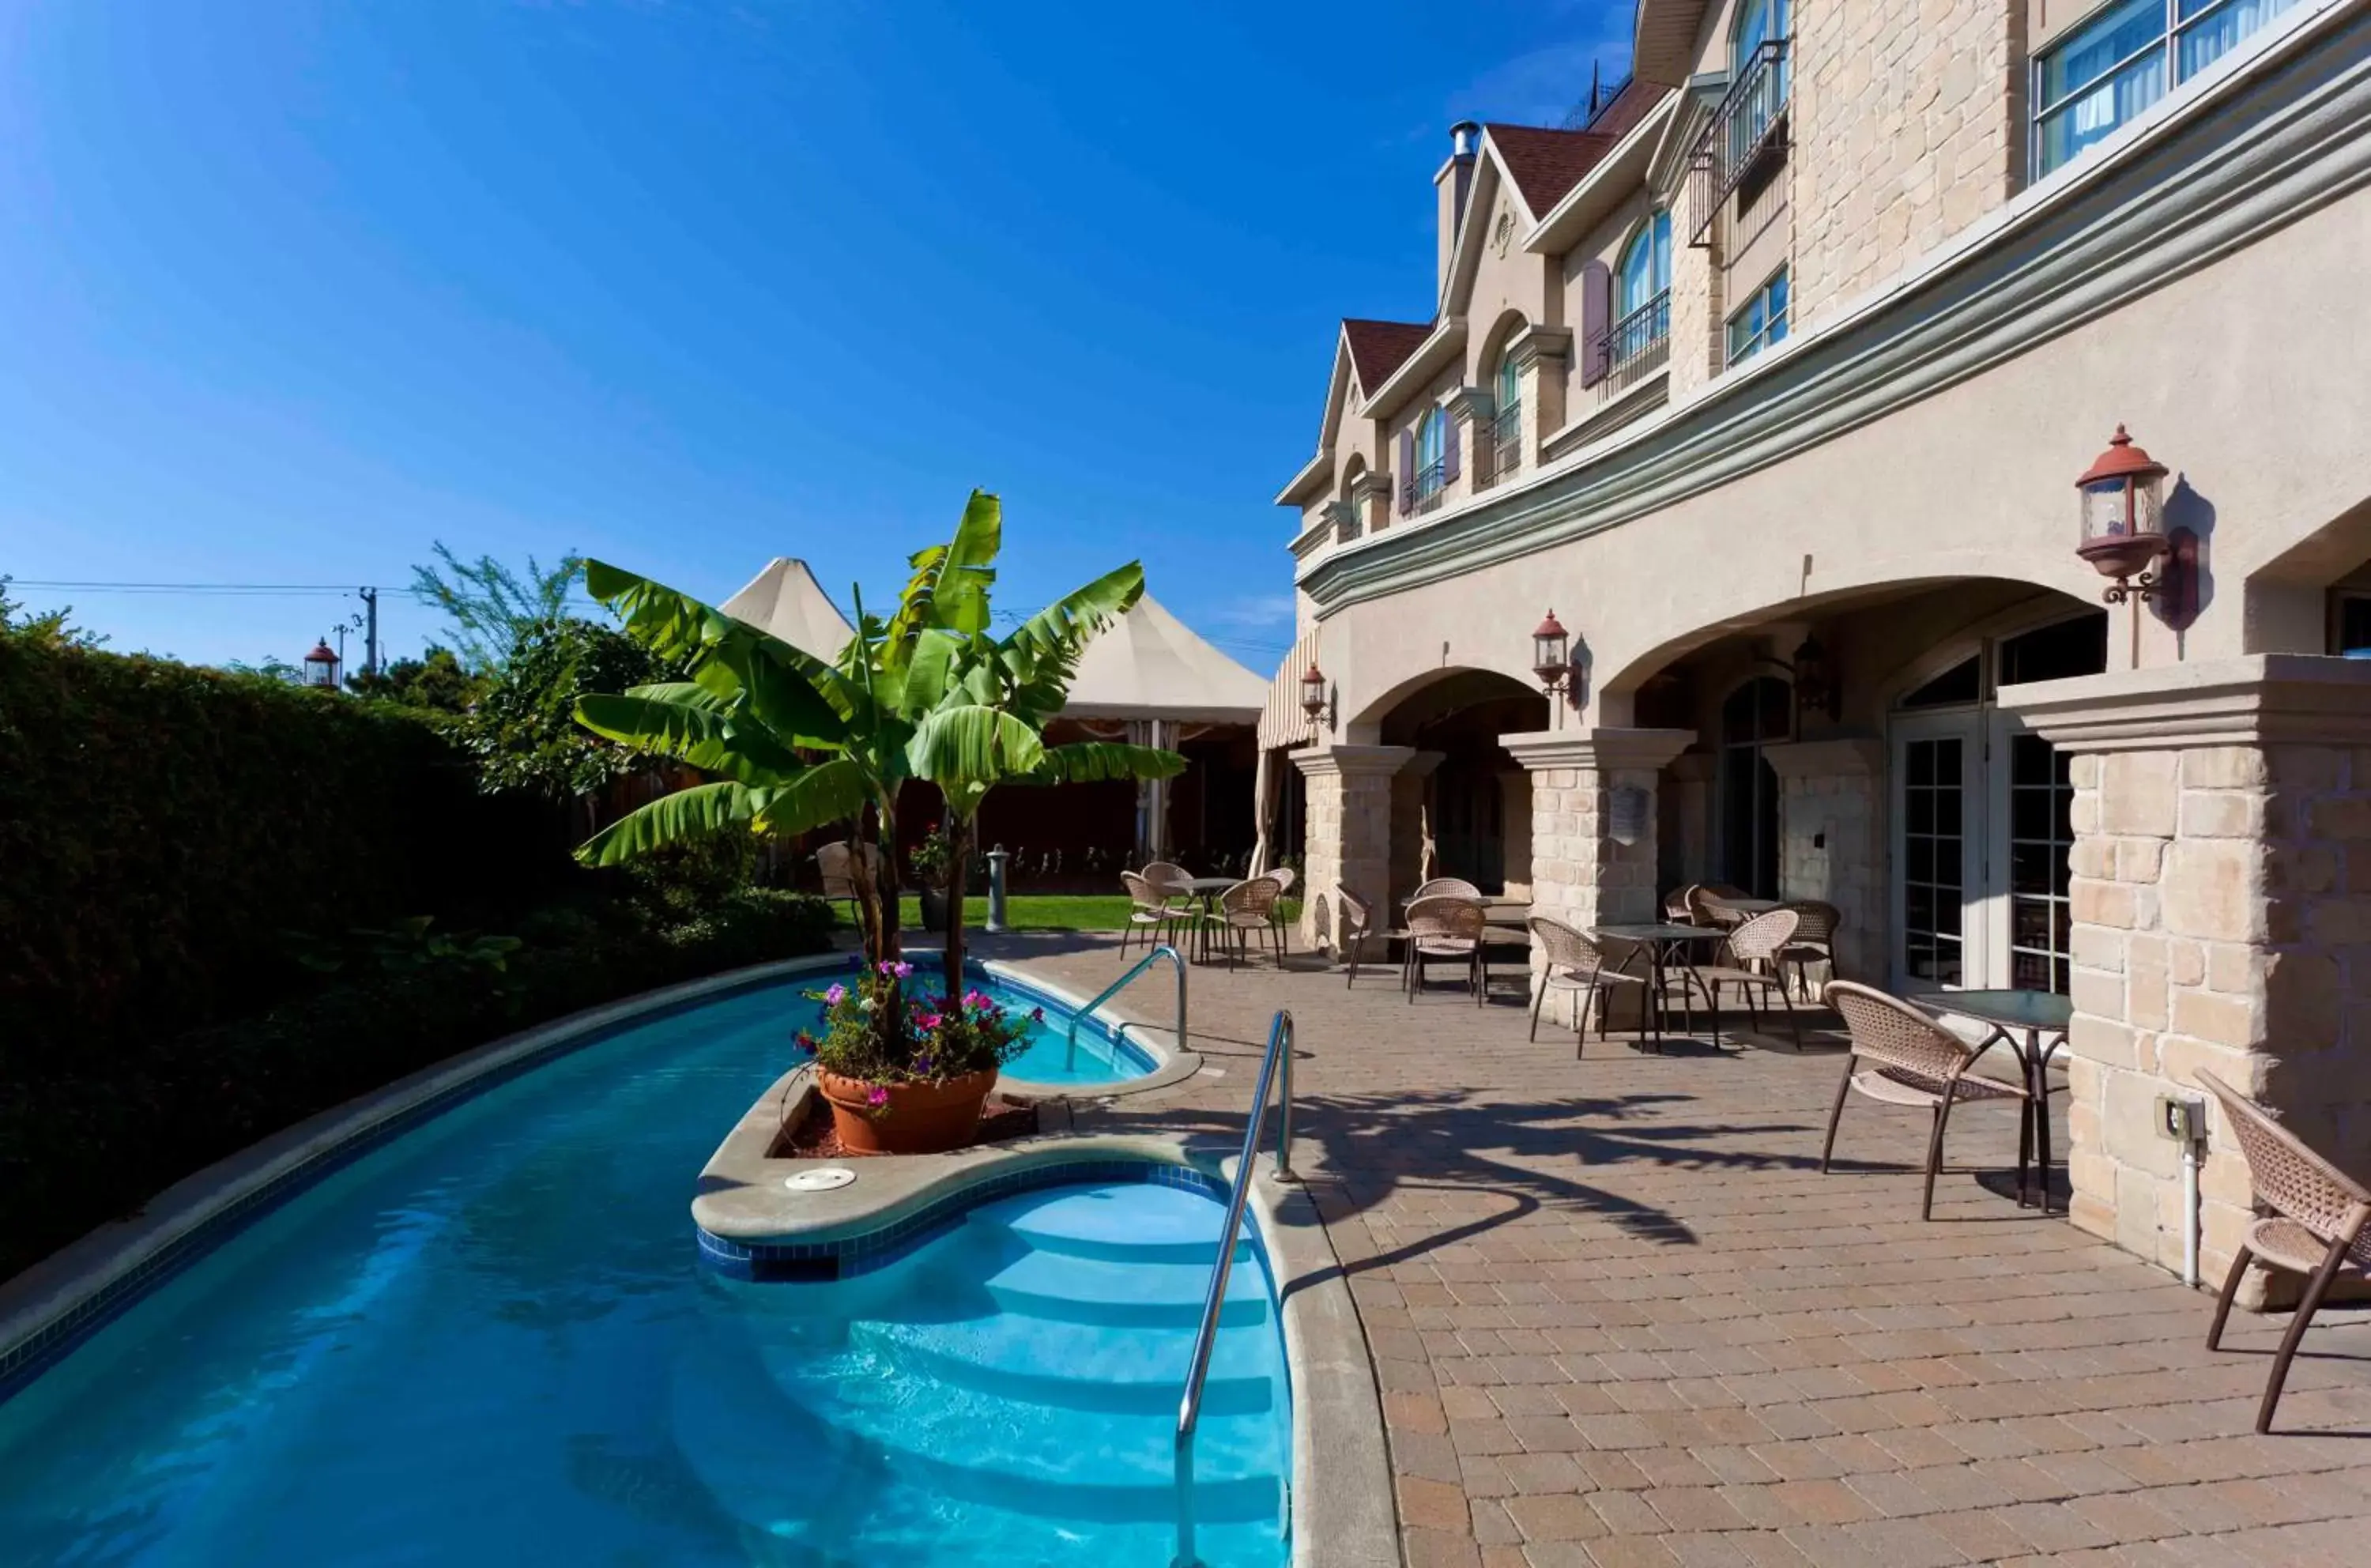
<point>1545,164</point>
<point>1378,347</point>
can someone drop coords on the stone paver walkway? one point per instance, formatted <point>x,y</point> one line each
<point>1617,1315</point>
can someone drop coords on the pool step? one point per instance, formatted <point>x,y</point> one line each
<point>1072,1367</point>
<point>1110,1294</point>
<point>1119,1222</point>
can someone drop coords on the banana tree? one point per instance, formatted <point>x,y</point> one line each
<point>982,703</point>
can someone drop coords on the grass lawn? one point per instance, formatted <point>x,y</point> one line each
<point>1044,912</point>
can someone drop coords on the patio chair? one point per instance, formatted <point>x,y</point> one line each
<point>833,863</point>
<point>1755,941</point>
<point>1284,877</point>
<point>1900,1056</point>
<point>1444,927</point>
<point>1576,963</point>
<point>1711,905</point>
<point>2320,1226</point>
<point>1354,922</point>
<point>1446,887</point>
<point>1163,873</point>
<point>1245,908</point>
<point>1814,942</point>
<point>1151,910</point>
<point>1677,906</point>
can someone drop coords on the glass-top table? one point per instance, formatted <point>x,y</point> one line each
<point>2034,1024</point>
<point>1665,944</point>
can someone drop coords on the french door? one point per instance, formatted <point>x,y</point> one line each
<point>1939,935</point>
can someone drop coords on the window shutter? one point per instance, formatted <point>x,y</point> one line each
<point>1449,424</point>
<point>1407,471</point>
<point>1596,316</point>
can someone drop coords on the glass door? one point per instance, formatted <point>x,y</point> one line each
<point>2033,801</point>
<point>1938,802</point>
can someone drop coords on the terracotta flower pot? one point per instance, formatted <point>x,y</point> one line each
<point>920,1118</point>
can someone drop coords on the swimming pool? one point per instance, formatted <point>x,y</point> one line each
<point>491,1340</point>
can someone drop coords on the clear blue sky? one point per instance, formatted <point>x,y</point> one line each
<point>290,289</point>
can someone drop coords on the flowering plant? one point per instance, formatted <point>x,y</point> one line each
<point>932,856</point>
<point>875,1032</point>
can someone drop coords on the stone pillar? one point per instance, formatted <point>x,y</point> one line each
<point>1593,856</point>
<point>1370,495</point>
<point>1832,841</point>
<point>1540,353</point>
<point>1687,783</point>
<point>2221,903</point>
<point>1347,840</point>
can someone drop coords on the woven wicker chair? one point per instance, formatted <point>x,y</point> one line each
<point>1446,887</point>
<point>1444,927</point>
<point>1677,909</point>
<point>2320,1224</point>
<point>1247,909</point>
<point>1153,910</point>
<point>1354,922</point>
<point>1758,941</point>
<point>1712,906</point>
<point>1575,963</point>
<point>1164,874</point>
<point>1814,942</point>
<point>1900,1056</point>
<point>1284,877</point>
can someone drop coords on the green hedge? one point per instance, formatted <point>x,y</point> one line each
<point>162,828</point>
<point>81,1148</point>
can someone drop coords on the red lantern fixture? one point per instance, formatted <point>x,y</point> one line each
<point>2123,518</point>
<point>1551,654</point>
<point>1312,694</point>
<point>322,666</point>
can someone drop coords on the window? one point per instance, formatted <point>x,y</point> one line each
<point>2041,834</point>
<point>1934,822</point>
<point>1510,383</point>
<point>1645,270</point>
<point>1762,323</point>
<point>1758,22</point>
<point>2105,73</point>
<point>1431,454</point>
<point>1761,711</point>
<point>2350,625</point>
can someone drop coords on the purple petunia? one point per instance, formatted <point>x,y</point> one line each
<point>922,1065</point>
<point>1036,1015</point>
<point>836,996</point>
<point>876,1097</point>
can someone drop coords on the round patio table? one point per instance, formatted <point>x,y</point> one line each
<point>1662,942</point>
<point>2022,1019</point>
<point>1206,889</point>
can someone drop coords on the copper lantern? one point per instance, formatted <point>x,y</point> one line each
<point>1551,651</point>
<point>2124,516</point>
<point>1312,694</point>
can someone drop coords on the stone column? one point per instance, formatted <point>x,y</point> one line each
<point>1592,854</point>
<point>1371,494</point>
<point>1832,841</point>
<point>1540,353</point>
<point>1348,839</point>
<point>2221,903</point>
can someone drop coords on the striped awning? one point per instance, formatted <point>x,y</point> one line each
<point>1282,722</point>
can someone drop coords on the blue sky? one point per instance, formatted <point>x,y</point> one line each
<point>294,288</point>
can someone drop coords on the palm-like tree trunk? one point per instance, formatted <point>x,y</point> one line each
<point>958,872</point>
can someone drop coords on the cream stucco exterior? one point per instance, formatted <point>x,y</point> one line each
<point>1890,488</point>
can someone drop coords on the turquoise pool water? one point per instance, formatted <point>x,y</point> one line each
<point>491,1341</point>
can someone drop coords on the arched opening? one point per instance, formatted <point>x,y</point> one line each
<point>1348,523</point>
<point>1498,446</point>
<point>1463,806</point>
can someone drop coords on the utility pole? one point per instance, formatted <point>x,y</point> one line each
<point>370,635</point>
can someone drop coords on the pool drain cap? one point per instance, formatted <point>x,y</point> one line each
<point>822,1181</point>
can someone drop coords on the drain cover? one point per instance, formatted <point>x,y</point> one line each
<point>821,1180</point>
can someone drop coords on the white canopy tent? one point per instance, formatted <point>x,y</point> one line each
<point>786,601</point>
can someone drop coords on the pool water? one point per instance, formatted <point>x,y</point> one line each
<point>491,1341</point>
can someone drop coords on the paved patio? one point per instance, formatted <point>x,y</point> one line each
<point>1618,1317</point>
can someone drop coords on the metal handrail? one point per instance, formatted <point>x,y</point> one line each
<point>1070,1055</point>
<point>1205,1339</point>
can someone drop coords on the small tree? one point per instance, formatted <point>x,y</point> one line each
<point>493,607</point>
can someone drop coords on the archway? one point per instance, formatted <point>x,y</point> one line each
<point>1461,806</point>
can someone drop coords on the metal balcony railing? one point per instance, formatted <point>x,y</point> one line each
<point>1749,126</point>
<point>1636,347</point>
<point>1427,489</point>
<point>1502,445</point>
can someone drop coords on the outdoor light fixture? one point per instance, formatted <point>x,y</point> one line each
<point>2124,519</point>
<point>1817,684</point>
<point>1552,657</point>
<point>1313,700</point>
<point>322,666</point>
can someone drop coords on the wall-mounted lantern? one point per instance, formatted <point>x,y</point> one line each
<point>1552,657</point>
<point>1817,684</point>
<point>322,666</point>
<point>2124,519</point>
<point>1314,701</point>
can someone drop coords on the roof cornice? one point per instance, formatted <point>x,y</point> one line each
<point>1570,221</point>
<point>1314,474</point>
<point>1448,338</point>
<point>2287,132</point>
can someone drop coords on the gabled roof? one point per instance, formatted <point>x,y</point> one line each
<point>785,600</point>
<point>1545,165</point>
<point>1378,347</point>
<point>1149,664</point>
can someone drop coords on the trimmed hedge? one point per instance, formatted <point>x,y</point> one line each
<point>162,828</point>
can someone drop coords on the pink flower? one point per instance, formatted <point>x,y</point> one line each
<point>876,1097</point>
<point>806,1042</point>
<point>928,1020</point>
<point>977,998</point>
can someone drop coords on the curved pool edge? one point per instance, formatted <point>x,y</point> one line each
<point>1174,1064</point>
<point>57,1303</point>
<point>1343,1512</point>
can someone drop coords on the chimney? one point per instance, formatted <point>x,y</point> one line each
<point>1452,184</point>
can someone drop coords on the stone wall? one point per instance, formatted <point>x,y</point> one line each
<point>1833,843</point>
<point>1908,126</point>
<point>1347,841</point>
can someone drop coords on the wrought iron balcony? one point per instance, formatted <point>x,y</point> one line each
<point>1749,127</point>
<point>1502,445</point>
<point>1636,347</point>
<point>1426,490</point>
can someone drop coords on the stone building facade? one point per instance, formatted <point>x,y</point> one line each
<point>1773,382</point>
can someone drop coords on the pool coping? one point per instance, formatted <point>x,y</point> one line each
<point>1343,1511</point>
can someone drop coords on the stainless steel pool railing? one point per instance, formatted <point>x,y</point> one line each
<point>1280,1050</point>
<point>1070,1055</point>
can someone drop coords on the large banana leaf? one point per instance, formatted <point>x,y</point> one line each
<point>967,749</point>
<point>729,657</point>
<point>702,737</point>
<point>680,818</point>
<point>1093,762</point>
<point>835,791</point>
